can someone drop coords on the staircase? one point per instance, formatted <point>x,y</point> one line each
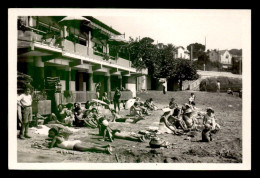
<point>192,85</point>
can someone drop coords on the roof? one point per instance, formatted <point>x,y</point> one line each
<point>222,51</point>
<point>98,22</point>
<point>180,47</point>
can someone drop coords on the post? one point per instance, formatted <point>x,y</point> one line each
<point>191,52</point>
<point>108,83</point>
<point>68,77</point>
<point>90,82</point>
<point>120,81</point>
<point>39,73</point>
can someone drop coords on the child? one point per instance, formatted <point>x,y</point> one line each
<point>25,101</point>
<point>63,142</point>
<point>206,135</point>
<point>229,91</point>
<point>209,119</point>
<point>192,100</point>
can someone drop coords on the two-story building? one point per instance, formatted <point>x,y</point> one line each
<point>222,56</point>
<point>182,53</point>
<point>81,52</point>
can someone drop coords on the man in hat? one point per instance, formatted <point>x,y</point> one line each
<point>25,101</point>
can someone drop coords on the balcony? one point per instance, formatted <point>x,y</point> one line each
<point>74,49</point>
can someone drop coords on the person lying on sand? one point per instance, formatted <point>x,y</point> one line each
<point>62,142</point>
<point>106,131</point>
<point>209,120</point>
<point>119,118</point>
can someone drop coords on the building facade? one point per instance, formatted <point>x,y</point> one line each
<point>182,53</point>
<point>79,52</point>
<point>222,56</point>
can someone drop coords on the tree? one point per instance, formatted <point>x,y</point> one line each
<point>143,54</point>
<point>197,50</point>
<point>176,69</point>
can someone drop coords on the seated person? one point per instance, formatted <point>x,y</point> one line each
<point>240,93</point>
<point>209,120</point>
<point>89,120</point>
<point>189,121</point>
<point>68,120</point>
<point>229,91</point>
<point>79,118</point>
<point>63,142</point>
<point>176,119</point>
<point>105,98</point>
<point>172,104</point>
<point>135,110</point>
<point>150,105</point>
<point>164,125</point>
<point>61,112</point>
<point>143,108</point>
<point>106,131</point>
<point>192,99</point>
<point>51,119</point>
<point>118,118</point>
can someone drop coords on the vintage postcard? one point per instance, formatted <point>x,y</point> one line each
<point>155,89</point>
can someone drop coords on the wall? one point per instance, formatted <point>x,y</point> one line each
<point>149,83</point>
<point>213,56</point>
<point>72,86</point>
<point>142,83</point>
<point>181,53</point>
<point>63,85</point>
<point>131,85</point>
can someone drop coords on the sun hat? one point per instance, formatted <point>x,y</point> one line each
<point>105,123</point>
<point>210,109</point>
<point>189,110</point>
<point>166,110</point>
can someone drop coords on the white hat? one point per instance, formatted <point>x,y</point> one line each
<point>166,110</point>
<point>188,110</point>
<point>105,123</point>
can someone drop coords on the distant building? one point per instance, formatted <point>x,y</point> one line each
<point>222,56</point>
<point>182,53</point>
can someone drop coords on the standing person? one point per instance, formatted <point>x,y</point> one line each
<point>25,101</point>
<point>164,87</point>
<point>218,86</point>
<point>98,86</point>
<point>116,98</point>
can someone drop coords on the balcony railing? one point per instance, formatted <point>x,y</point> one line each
<point>73,48</point>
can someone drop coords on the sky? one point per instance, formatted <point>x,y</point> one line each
<point>222,29</point>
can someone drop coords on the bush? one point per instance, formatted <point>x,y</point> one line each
<point>210,84</point>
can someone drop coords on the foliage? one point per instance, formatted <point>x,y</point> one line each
<point>210,84</point>
<point>237,52</point>
<point>197,50</point>
<point>143,54</point>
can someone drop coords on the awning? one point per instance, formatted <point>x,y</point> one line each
<point>117,40</point>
